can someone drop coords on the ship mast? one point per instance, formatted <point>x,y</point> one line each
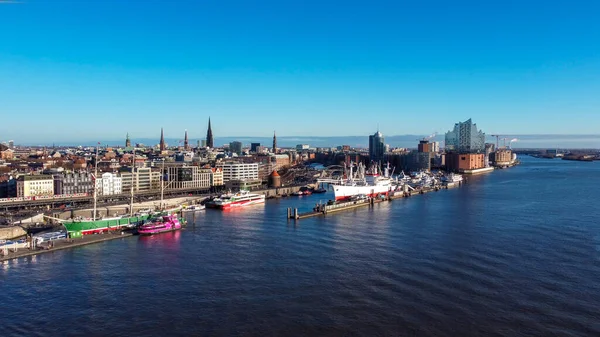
<point>95,184</point>
<point>132,173</point>
<point>162,183</point>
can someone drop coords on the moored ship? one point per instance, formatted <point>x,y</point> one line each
<point>370,183</point>
<point>240,199</point>
<point>77,228</point>
<point>159,225</point>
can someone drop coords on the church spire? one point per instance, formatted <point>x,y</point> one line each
<point>162,140</point>
<point>209,136</point>
<point>274,142</point>
<point>186,145</point>
<point>127,141</point>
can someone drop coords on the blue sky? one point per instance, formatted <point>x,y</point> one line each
<point>84,70</point>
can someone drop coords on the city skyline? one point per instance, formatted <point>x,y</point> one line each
<point>410,68</point>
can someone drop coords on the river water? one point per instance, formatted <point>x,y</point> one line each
<point>512,253</point>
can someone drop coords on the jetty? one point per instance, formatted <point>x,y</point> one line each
<point>323,209</point>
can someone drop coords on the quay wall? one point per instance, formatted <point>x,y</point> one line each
<point>12,232</point>
<point>273,192</point>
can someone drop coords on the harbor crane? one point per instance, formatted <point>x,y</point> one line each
<point>498,140</point>
<point>428,138</point>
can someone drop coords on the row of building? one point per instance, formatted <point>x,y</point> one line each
<point>170,176</point>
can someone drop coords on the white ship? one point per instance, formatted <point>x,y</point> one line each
<point>452,178</point>
<point>243,198</point>
<point>370,183</point>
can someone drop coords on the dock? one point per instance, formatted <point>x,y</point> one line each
<point>10,253</point>
<point>324,209</point>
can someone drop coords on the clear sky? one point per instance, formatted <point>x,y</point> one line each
<point>81,70</point>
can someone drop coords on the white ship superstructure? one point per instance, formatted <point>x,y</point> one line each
<point>370,183</point>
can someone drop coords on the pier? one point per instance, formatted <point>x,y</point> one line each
<point>10,253</point>
<point>324,209</point>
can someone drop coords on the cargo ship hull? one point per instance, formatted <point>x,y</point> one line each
<point>80,228</point>
<point>344,192</point>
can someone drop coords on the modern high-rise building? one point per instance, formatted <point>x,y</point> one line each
<point>209,136</point>
<point>235,147</point>
<point>465,138</point>
<point>376,147</point>
<point>254,147</point>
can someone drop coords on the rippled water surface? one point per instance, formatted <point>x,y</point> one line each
<point>512,253</point>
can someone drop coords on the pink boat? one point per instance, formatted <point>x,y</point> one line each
<point>163,224</point>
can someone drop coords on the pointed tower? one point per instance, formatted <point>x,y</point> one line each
<point>162,140</point>
<point>127,141</point>
<point>186,145</point>
<point>274,142</point>
<point>209,136</point>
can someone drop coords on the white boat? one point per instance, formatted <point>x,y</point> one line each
<point>370,183</point>
<point>240,199</point>
<point>194,208</point>
<point>452,178</point>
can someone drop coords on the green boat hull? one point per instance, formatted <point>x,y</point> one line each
<point>80,228</point>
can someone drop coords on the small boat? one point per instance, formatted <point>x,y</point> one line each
<point>307,192</point>
<point>297,194</point>
<point>159,225</point>
<point>194,208</point>
<point>452,178</point>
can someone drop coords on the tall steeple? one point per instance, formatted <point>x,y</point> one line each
<point>274,142</point>
<point>209,136</point>
<point>162,140</point>
<point>186,145</point>
<point>127,141</point>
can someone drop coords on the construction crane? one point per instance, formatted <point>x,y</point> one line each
<point>428,138</point>
<point>497,140</point>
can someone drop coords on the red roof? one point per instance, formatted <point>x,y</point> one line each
<point>274,174</point>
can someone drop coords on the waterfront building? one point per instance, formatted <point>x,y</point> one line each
<point>209,136</point>
<point>238,171</point>
<point>162,144</point>
<point>502,157</point>
<point>460,162</point>
<point>465,138</point>
<point>35,186</point>
<point>235,147</point>
<point>419,161</point>
<point>376,147</point>
<point>187,177</point>
<point>275,180</point>
<point>71,183</point>
<point>110,184</point>
<point>144,179</point>
<point>216,177</point>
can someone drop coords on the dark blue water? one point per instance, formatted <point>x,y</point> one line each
<point>512,253</point>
